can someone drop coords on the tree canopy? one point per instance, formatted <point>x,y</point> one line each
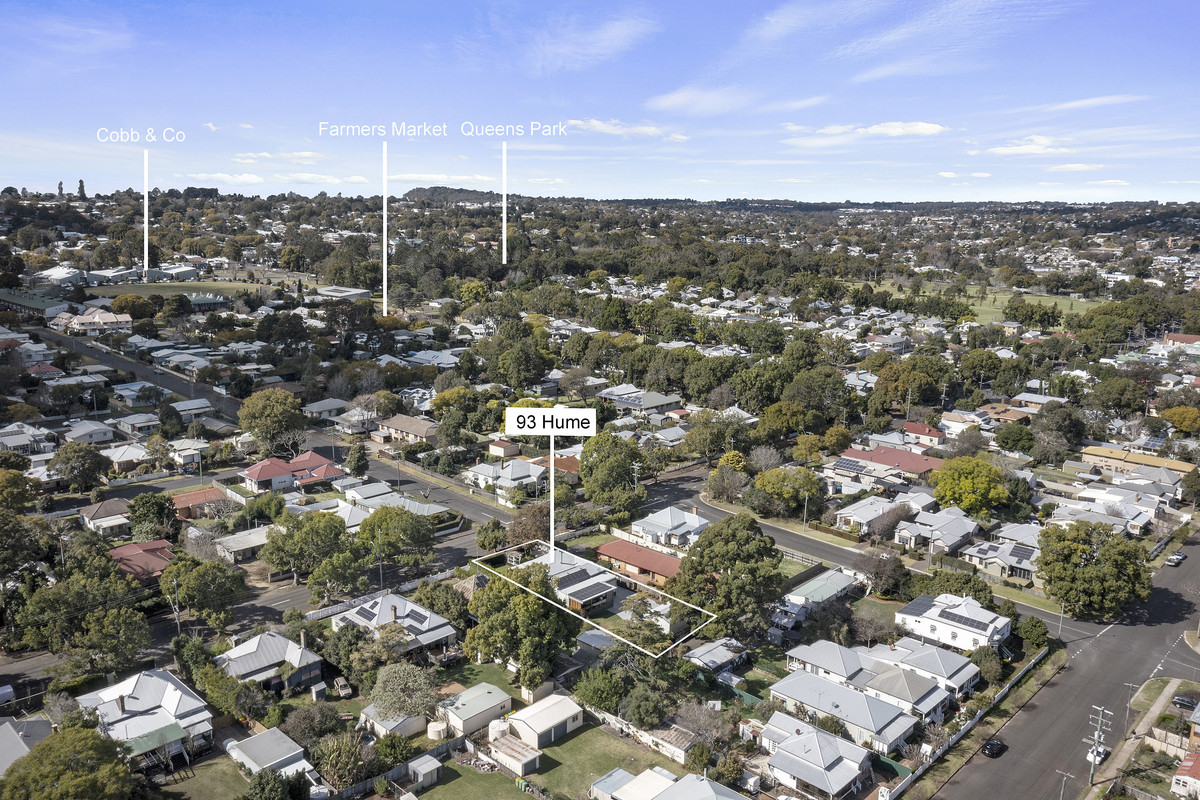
<point>1092,569</point>
<point>73,764</point>
<point>972,484</point>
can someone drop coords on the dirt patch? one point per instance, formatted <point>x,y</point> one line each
<point>451,689</point>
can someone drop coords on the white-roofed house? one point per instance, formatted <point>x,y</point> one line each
<point>271,749</point>
<point>812,761</point>
<point>870,721</point>
<point>508,475</point>
<point>943,532</point>
<point>272,660</point>
<point>155,714</point>
<point>88,431</point>
<point>954,672</point>
<point>546,721</point>
<point>472,709</point>
<point>959,622</point>
<point>670,526</point>
<point>371,719</point>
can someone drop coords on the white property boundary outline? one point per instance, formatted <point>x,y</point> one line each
<point>711,616</point>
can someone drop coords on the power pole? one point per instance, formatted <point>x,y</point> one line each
<point>1100,717</point>
<point>1063,788</point>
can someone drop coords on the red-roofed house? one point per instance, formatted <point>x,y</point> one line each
<point>143,561</point>
<point>190,505</point>
<point>1181,338</point>
<point>269,475</point>
<point>1186,782</point>
<point>43,371</point>
<point>912,465</point>
<point>640,563</point>
<point>923,434</point>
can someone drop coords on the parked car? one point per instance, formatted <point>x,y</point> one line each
<point>994,748</point>
<point>342,686</point>
<point>1176,558</point>
<point>1097,753</point>
<point>1184,702</point>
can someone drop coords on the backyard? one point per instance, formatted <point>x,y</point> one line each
<point>570,766</point>
<point>216,778</point>
<point>459,782</point>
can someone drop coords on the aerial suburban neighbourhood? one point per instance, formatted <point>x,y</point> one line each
<point>793,401</point>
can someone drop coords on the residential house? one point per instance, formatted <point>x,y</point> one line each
<point>97,321</point>
<point>1035,401</point>
<point>271,749</point>
<point>325,409</point>
<point>403,428</point>
<point>155,714</point>
<point>507,476</point>
<point>126,457</point>
<point>869,721</point>
<point>581,585</point>
<point>269,475</point>
<point>137,424</point>
<point>244,546</point>
<point>371,719</point>
<point>867,515</point>
<point>720,656</point>
<point>906,690</point>
<point>810,597</point>
<point>17,738</point>
<point>851,475</point>
<point>958,622</point>
<point>108,518</point>
<point>472,709</point>
<point>1012,556</point>
<point>88,431</point>
<point>911,465</point>
<point>944,531</point>
<point>191,410</point>
<point>671,526</point>
<point>272,660</point>
<point>355,420</point>
<point>546,721</point>
<point>426,630</point>
<point>200,503</point>
<point>1186,781</point>
<point>640,563</point>
<point>188,453</point>
<point>924,434</point>
<point>143,561</point>
<point>26,439</point>
<point>952,671</point>
<point>1123,462</point>
<point>814,762</point>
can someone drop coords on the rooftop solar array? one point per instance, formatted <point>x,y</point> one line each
<point>1023,552</point>
<point>585,593</point>
<point>571,578</point>
<point>849,464</point>
<point>918,606</point>
<point>966,622</point>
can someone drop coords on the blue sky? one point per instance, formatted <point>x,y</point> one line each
<point>1078,100</point>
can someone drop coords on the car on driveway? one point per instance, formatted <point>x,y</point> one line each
<point>1176,558</point>
<point>342,686</point>
<point>994,748</point>
<point>1184,702</point>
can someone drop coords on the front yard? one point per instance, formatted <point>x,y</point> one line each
<point>469,674</point>
<point>216,777</point>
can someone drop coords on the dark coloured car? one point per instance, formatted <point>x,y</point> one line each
<point>993,748</point>
<point>1183,701</point>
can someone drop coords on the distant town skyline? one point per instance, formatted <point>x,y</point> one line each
<point>862,100</point>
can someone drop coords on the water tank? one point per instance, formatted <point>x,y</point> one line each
<point>437,730</point>
<point>497,728</point>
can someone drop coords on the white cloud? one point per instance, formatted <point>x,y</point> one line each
<point>947,174</point>
<point>244,179</point>
<point>246,125</point>
<point>1183,181</point>
<point>615,127</point>
<point>835,130</point>
<point>699,101</point>
<point>1049,183</point>
<point>793,180</point>
<point>795,105</point>
<point>1109,182</point>
<point>554,181</point>
<point>1074,167</point>
<point>1095,102</point>
<point>315,178</point>
<point>1030,145</point>
<point>304,157</point>
<point>903,129</point>
<point>579,44</point>
<point>981,174</point>
<point>211,126</point>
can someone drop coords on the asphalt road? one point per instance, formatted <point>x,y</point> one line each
<point>1047,735</point>
<point>226,406</point>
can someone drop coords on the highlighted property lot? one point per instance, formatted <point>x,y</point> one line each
<point>589,587</point>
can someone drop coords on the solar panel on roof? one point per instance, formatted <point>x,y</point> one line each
<point>571,578</point>
<point>417,616</point>
<point>1023,552</point>
<point>966,622</point>
<point>364,613</point>
<point>848,464</point>
<point>1155,442</point>
<point>585,593</point>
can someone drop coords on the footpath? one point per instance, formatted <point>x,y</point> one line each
<point>1108,771</point>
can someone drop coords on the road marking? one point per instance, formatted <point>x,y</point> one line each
<point>1165,655</point>
<point>280,603</point>
<point>1093,640</point>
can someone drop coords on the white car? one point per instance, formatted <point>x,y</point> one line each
<point>1097,753</point>
<point>1175,559</point>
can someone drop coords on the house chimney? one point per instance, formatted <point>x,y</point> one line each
<point>121,703</point>
<point>395,613</point>
<point>303,638</point>
<point>695,511</point>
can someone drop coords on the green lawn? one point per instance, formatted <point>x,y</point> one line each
<point>569,767</point>
<point>789,568</point>
<point>218,777</point>
<point>459,782</point>
<point>871,606</point>
<point>469,674</point>
<point>592,541</point>
<point>1148,694</point>
<point>770,659</point>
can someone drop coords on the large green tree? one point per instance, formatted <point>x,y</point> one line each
<point>972,484</point>
<point>518,624</point>
<point>73,764</point>
<point>80,464</point>
<point>404,690</point>
<point>731,570</point>
<point>606,471</point>
<point>272,417</point>
<point>1091,569</point>
<point>208,588</point>
<point>301,543</point>
<point>398,536</point>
